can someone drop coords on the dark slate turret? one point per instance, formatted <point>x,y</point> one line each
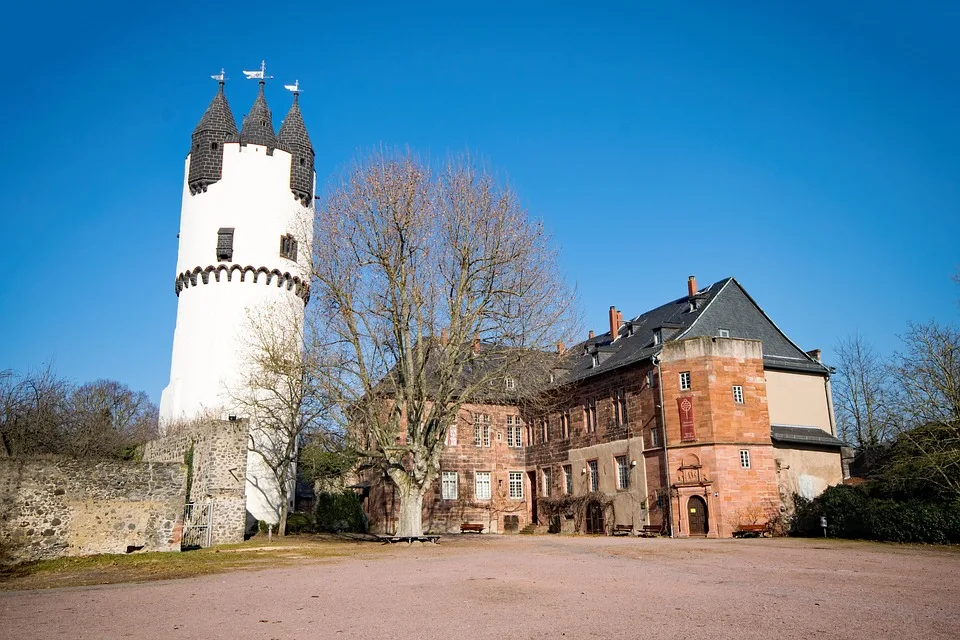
<point>206,152</point>
<point>258,125</point>
<point>294,139</point>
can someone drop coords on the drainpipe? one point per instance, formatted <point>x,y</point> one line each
<point>663,434</point>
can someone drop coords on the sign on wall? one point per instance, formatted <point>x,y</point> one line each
<point>687,429</point>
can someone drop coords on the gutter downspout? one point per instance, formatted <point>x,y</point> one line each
<point>663,428</point>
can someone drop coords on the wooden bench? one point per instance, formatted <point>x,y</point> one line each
<point>751,531</point>
<point>408,539</point>
<point>651,530</point>
<point>622,529</point>
<point>471,526</point>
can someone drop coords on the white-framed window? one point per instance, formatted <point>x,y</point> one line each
<point>448,484</point>
<point>623,472</point>
<point>685,381</point>
<point>514,432</point>
<point>510,383</point>
<point>594,472</point>
<point>657,337</point>
<point>481,430</point>
<point>596,360</point>
<point>723,333</point>
<point>738,394</point>
<point>655,437</point>
<point>482,485</point>
<point>744,458</point>
<point>516,485</point>
<point>547,475</point>
<point>452,435</point>
<point>568,479</point>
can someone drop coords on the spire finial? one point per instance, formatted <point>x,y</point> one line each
<point>259,74</point>
<point>221,77</point>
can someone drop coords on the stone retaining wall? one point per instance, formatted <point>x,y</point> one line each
<point>52,507</point>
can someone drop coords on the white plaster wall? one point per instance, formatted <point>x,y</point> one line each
<point>210,342</point>
<point>799,399</point>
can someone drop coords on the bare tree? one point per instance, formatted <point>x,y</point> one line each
<point>862,394</point>
<point>432,287</point>
<point>928,372</point>
<point>282,397</point>
<point>107,419</point>
<point>33,410</point>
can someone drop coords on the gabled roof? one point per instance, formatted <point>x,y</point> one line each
<point>722,305</point>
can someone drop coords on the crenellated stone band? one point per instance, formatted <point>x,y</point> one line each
<point>298,285</point>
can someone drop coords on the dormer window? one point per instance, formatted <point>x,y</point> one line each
<point>657,337</point>
<point>723,333</point>
<point>596,360</point>
<point>510,383</point>
<point>225,244</point>
<point>288,247</point>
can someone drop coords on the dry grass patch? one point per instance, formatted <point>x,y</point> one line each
<point>140,567</point>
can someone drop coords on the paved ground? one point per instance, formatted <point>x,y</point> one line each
<point>533,587</point>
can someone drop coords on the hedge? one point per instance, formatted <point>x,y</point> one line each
<point>852,513</point>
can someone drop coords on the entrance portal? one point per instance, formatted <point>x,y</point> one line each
<point>697,514</point>
<point>595,518</point>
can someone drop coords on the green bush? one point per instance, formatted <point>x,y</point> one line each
<point>299,523</point>
<point>337,512</point>
<point>852,513</point>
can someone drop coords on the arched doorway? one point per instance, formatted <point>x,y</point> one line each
<point>697,514</point>
<point>594,518</point>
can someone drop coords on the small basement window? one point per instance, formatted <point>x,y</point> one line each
<point>723,333</point>
<point>738,394</point>
<point>225,244</point>
<point>288,247</point>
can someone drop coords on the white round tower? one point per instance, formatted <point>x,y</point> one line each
<point>245,236</point>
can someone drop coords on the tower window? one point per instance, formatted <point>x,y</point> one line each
<point>288,247</point>
<point>302,162</point>
<point>225,244</point>
<point>213,145</point>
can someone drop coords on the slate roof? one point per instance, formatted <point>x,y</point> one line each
<point>722,305</point>
<point>293,133</point>
<point>258,124</point>
<point>218,116</point>
<point>811,436</point>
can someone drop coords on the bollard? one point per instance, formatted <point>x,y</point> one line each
<point>270,532</point>
<point>823,523</point>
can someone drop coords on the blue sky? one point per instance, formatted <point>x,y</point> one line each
<point>811,151</point>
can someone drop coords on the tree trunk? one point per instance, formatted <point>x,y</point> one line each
<point>282,522</point>
<point>411,512</point>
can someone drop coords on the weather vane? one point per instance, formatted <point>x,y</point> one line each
<point>220,77</point>
<point>295,87</point>
<point>260,74</point>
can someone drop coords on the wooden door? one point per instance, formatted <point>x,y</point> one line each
<point>534,516</point>
<point>697,513</point>
<point>594,518</point>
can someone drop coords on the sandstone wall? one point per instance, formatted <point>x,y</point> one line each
<point>218,452</point>
<point>52,507</point>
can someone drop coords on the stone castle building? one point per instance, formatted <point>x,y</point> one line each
<point>698,416</point>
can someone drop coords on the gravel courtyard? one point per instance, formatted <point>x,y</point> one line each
<point>532,587</point>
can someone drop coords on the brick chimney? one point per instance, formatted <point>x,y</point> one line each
<point>691,286</point>
<point>590,335</point>
<point>815,354</point>
<point>561,348</point>
<point>614,323</point>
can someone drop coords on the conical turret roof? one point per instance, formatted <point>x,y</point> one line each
<point>218,116</point>
<point>258,125</point>
<point>293,133</point>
